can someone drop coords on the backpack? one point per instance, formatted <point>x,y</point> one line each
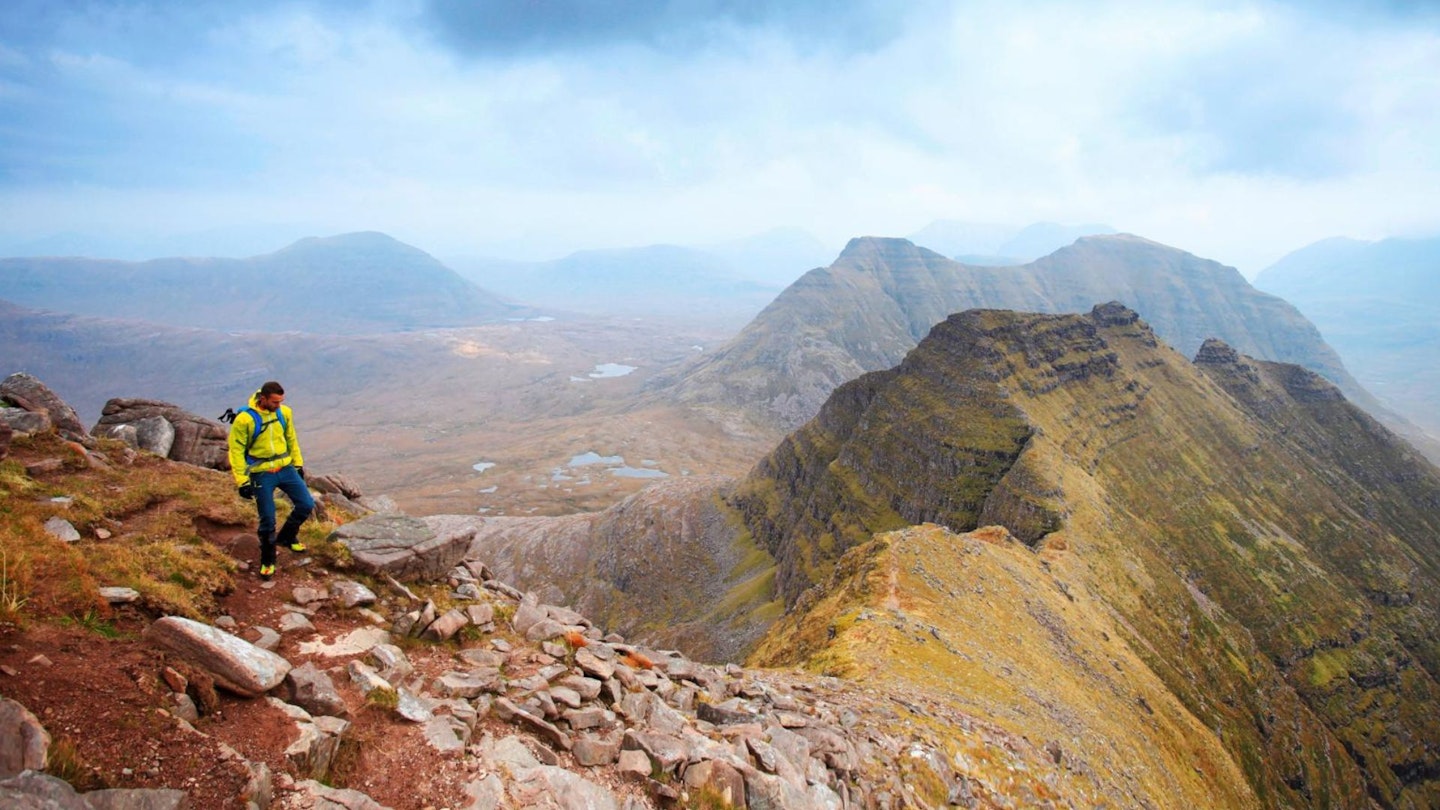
<point>230,414</point>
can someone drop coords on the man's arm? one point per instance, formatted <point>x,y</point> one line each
<point>291,442</point>
<point>240,431</point>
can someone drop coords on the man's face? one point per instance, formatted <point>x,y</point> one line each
<point>270,402</point>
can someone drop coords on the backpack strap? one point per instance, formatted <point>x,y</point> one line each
<point>260,426</point>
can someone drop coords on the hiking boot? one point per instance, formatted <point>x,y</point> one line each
<point>267,571</point>
<point>297,547</point>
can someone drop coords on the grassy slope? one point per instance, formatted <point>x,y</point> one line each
<point>1280,595</point>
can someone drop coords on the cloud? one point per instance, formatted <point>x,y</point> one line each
<point>458,125</point>
<point>498,28</point>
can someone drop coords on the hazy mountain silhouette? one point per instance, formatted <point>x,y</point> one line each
<point>1377,304</point>
<point>355,283</point>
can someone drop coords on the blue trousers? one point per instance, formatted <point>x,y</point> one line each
<point>288,481</point>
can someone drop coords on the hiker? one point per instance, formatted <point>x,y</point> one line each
<point>265,456</point>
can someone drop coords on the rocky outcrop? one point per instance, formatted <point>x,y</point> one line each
<point>24,743</point>
<point>236,664</point>
<point>403,547</point>
<point>43,792</point>
<point>6,434</point>
<point>24,391</point>
<point>166,430</point>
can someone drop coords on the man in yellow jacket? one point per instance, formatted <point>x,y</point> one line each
<point>265,456</point>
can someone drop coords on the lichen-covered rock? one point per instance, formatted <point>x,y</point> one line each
<point>237,665</point>
<point>401,546</point>
<point>160,426</point>
<point>27,392</point>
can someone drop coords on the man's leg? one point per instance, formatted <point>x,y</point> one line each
<point>265,508</point>
<point>290,482</point>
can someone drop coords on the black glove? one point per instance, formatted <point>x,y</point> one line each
<point>301,470</point>
<point>247,491</point>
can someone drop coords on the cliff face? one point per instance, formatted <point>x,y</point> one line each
<point>881,296</point>
<point>1267,549</point>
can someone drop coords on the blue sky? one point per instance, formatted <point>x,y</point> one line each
<point>1237,131</point>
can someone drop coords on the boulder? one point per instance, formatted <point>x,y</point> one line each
<point>334,484</point>
<point>352,594</point>
<point>237,665</point>
<point>721,779</point>
<point>24,743</point>
<point>155,434</point>
<point>195,439</point>
<point>6,433</point>
<point>402,546</point>
<point>123,799</point>
<point>24,391</point>
<point>23,422</point>
<point>549,786</point>
<point>311,689</point>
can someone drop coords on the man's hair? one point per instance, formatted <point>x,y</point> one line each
<point>271,388</point>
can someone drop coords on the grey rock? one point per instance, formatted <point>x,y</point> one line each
<point>467,685</point>
<point>401,546</point>
<point>548,786</point>
<point>25,391</point>
<point>565,697</point>
<point>61,529</point>
<point>445,736</point>
<point>591,751</point>
<point>312,690</point>
<point>413,707</point>
<point>557,738</point>
<point>121,596</point>
<point>117,799</point>
<point>25,423</point>
<point>24,743</point>
<point>724,780</point>
<point>526,616</point>
<point>195,439</point>
<point>7,434</point>
<point>666,751</point>
<point>352,594</point>
<point>445,627</point>
<point>766,792</point>
<point>485,794</point>
<point>183,707</point>
<point>366,678</point>
<point>634,763</point>
<point>390,662</point>
<point>316,796</point>
<point>155,434</point>
<point>591,664</point>
<point>480,614</point>
<point>587,688</point>
<point>483,658</point>
<point>305,595</point>
<point>295,622</point>
<point>588,717</point>
<point>236,665</point>
<point>265,637</point>
<point>336,484</point>
<point>31,790</point>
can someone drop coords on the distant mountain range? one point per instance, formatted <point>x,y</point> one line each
<point>350,284</point>
<point>881,296</point>
<point>722,285</point>
<point>1378,304</point>
<point>1222,551</point>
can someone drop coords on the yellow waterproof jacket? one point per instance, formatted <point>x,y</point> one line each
<point>273,449</point>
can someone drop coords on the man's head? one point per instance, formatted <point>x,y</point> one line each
<point>270,396</point>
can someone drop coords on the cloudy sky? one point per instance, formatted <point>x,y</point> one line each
<point>531,128</point>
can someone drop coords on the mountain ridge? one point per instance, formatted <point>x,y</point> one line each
<point>881,296</point>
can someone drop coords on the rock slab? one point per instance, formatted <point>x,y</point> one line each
<point>237,665</point>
